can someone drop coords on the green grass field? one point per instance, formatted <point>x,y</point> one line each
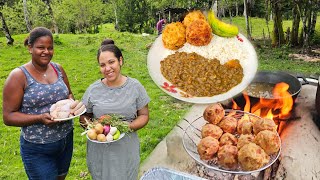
<point>77,54</point>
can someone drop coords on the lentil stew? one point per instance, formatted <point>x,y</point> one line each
<point>199,76</point>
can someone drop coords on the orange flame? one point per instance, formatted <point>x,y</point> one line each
<point>278,107</point>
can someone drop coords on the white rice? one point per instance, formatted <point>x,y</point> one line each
<point>223,49</point>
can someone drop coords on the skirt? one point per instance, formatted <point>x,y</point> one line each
<point>118,160</point>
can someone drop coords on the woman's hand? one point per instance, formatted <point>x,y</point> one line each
<point>47,119</point>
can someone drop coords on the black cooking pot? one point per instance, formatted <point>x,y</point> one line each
<point>273,77</point>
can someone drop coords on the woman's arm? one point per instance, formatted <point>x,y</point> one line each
<point>13,92</point>
<point>66,81</point>
<point>141,120</point>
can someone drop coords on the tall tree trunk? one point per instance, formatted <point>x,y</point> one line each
<point>215,8</point>
<point>54,23</point>
<point>26,15</point>
<point>237,9</point>
<point>116,26</point>
<point>295,25</point>
<point>306,10</point>
<point>245,12</point>
<point>230,15</point>
<point>314,17</point>
<point>211,2</point>
<point>278,35</point>
<point>267,17</point>
<point>306,43</point>
<point>5,28</point>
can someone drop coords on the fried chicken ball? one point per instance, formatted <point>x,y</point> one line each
<point>191,16</point>
<point>229,139</point>
<point>228,156</point>
<point>252,157</point>
<point>228,124</point>
<point>211,130</point>
<point>174,36</point>
<point>247,128</point>
<point>244,139</point>
<point>208,147</point>
<point>264,124</point>
<point>199,33</point>
<point>244,118</point>
<point>214,113</point>
<point>268,141</point>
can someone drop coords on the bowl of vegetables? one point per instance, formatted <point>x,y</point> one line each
<point>106,129</point>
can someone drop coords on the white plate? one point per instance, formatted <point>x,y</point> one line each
<point>243,49</point>
<point>121,136</point>
<point>192,137</point>
<point>69,118</point>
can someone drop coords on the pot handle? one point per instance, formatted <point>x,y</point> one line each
<point>304,81</point>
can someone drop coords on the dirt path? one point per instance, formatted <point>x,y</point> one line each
<point>313,57</point>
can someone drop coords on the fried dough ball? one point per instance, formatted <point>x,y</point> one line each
<point>244,118</point>
<point>229,139</point>
<point>244,139</point>
<point>211,130</point>
<point>208,147</point>
<point>174,36</point>
<point>264,124</point>
<point>268,141</point>
<point>228,124</point>
<point>247,128</point>
<point>214,113</point>
<point>252,157</point>
<point>191,16</point>
<point>228,156</point>
<point>199,33</point>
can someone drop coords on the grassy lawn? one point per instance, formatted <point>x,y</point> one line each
<point>77,54</point>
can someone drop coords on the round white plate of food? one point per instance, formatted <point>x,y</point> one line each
<point>220,48</point>
<point>72,117</point>
<point>105,142</point>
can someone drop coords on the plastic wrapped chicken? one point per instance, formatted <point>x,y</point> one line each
<point>66,108</point>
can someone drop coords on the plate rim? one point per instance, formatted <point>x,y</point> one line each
<point>224,170</point>
<point>69,118</point>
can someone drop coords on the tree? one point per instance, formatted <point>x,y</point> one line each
<point>5,28</point>
<point>277,33</point>
<point>80,16</point>
<point>26,15</point>
<point>267,14</point>
<point>308,10</point>
<point>131,15</point>
<point>10,40</point>
<point>295,23</point>
<point>245,12</point>
<point>54,24</point>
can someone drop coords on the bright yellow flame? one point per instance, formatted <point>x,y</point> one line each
<point>282,102</point>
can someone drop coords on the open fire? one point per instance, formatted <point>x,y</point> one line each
<point>277,108</point>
